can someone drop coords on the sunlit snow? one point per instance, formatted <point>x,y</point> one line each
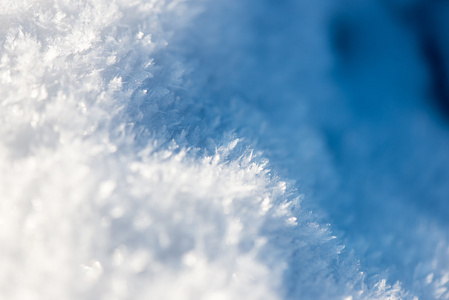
<point>222,150</point>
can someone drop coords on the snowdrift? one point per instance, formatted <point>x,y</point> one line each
<point>203,150</point>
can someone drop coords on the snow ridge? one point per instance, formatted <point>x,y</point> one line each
<point>122,180</point>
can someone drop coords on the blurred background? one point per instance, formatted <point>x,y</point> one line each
<point>349,100</point>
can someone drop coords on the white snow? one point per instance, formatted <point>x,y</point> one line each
<point>202,150</point>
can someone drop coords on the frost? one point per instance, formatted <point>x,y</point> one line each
<point>168,150</point>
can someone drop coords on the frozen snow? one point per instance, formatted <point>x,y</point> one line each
<point>218,150</point>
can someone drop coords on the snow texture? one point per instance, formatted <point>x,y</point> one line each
<point>170,149</point>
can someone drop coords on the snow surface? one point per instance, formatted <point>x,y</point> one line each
<point>218,150</point>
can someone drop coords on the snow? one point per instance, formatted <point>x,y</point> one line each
<point>218,150</point>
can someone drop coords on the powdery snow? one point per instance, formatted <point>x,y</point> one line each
<point>131,159</point>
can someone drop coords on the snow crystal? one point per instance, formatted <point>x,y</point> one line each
<point>204,150</point>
